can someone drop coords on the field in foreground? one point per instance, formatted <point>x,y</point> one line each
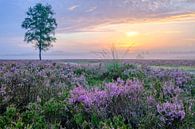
<point>127,94</point>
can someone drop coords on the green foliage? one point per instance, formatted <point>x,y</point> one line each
<point>33,116</point>
<point>96,77</point>
<point>95,120</point>
<point>115,123</point>
<point>54,110</point>
<point>114,71</point>
<point>10,112</point>
<point>40,26</point>
<point>9,117</point>
<point>80,71</point>
<point>149,121</point>
<point>79,118</point>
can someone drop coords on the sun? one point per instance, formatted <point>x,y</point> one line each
<point>132,33</point>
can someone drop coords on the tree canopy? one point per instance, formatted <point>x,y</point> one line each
<point>40,25</point>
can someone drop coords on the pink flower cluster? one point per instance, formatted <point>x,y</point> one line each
<point>97,97</point>
<point>88,98</point>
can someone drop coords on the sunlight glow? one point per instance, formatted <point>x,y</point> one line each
<point>132,33</point>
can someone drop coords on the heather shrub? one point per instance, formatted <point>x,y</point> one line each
<point>125,98</point>
<point>180,78</point>
<point>136,104</point>
<point>22,83</point>
<point>171,114</point>
<point>104,96</point>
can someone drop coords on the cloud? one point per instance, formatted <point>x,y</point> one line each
<point>92,14</point>
<point>190,39</point>
<point>97,12</point>
<point>73,7</point>
<point>91,9</point>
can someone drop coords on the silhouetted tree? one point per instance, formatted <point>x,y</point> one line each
<point>40,25</point>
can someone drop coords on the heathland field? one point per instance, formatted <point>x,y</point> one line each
<point>103,94</point>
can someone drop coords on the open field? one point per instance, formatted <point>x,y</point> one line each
<point>128,94</point>
<point>136,61</point>
<point>130,61</point>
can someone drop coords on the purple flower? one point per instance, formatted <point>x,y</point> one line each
<point>124,88</point>
<point>151,101</point>
<point>178,76</point>
<point>87,97</point>
<point>170,90</point>
<point>96,97</point>
<point>171,112</point>
<point>2,90</point>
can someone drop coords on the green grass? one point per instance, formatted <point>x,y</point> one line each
<point>190,69</point>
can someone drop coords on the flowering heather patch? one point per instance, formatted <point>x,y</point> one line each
<point>171,113</point>
<point>22,82</point>
<point>179,77</point>
<point>129,88</point>
<point>88,96</point>
<point>132,88</point>
<point>169,89</point>
<point>120,97</point>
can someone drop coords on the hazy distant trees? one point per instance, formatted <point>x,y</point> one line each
<point>40,25</point>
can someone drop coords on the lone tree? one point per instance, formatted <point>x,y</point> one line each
<point>40,25</point>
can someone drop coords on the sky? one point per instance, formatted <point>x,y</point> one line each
<point>87,29</point>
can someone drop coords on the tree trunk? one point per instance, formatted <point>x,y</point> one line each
<point>40,54</point>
